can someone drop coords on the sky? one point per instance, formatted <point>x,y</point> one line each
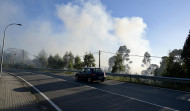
<point>83,26</point>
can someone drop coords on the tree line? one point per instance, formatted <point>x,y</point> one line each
<point>177,63</point>
<point>120,62</point>
<point>68,61</point>
<point>14,57</point>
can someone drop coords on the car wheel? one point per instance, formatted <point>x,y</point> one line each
<point>89,79</point>
<point>102,80</point>
<point>76,78</point>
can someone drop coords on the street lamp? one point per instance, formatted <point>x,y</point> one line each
<point>3,46</point>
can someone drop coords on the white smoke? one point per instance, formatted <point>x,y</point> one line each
<point>131,32</point>
<point>85,26</point>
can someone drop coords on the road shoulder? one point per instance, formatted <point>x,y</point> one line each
<point>14,96</point>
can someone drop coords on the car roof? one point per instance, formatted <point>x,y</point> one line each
<point>91,68</point>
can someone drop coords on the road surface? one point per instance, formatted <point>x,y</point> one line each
<point>71,95</point>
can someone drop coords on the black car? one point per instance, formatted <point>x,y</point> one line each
<point>91,74</point>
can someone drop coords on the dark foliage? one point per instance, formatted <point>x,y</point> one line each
<point>186,55</point>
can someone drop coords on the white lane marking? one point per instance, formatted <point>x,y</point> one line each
<point>51,102</point>
<point>122,95</point>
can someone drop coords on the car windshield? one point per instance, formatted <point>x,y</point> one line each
<point>82,70</point>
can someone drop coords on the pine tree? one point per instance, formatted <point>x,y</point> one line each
<point>186,55</point>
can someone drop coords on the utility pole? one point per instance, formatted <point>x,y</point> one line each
<point>23,58</point>
<point>99,58</point>
<point>14,58</point>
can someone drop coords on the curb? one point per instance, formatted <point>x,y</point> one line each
<point>45,103</point>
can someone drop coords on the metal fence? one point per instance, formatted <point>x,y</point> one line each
<point>169,82</point>
<point>131,76</point>
<point>155,78</point>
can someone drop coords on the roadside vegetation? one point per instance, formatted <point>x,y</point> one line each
<point>155,83</point>
<point>176,64</point>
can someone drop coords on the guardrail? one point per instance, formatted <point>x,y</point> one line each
<point>131,76</point>
<point>61,70</point>
<point>167,82</point>
<point>156,78</point>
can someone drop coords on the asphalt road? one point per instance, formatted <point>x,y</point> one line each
<point>71,95</point>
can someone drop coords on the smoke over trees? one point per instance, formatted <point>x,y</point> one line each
<point>41,59</point>
<point>158,71</point>
<point>150,71</point>
<point>14,56</point>
<point>68,60</point>
<point>150,68</point>
<point>146,60</point>
<point>172,65</point>
<point>120,62</point>
<point>124,51</point>
<point>111,63</point>
<point>176,64</point>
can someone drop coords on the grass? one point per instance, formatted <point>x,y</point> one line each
<point>162,84</point>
